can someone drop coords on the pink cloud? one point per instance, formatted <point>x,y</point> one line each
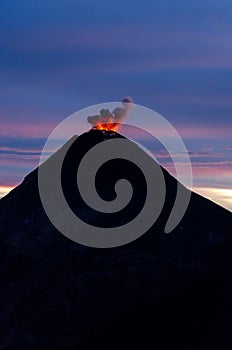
<point>163,154</point>
<point>204,132</point>
<point>14,159</point>
<point>208,174</point>
<point>10,150</point>
<point>207,149</point>
<point>225,165</point>
<point>24,129</point>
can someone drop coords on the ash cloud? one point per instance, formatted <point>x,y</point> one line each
<point>105,116</point>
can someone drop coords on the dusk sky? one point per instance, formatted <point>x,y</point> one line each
<point>175,57</point>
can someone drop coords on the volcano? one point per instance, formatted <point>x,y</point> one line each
<point>159,291</point>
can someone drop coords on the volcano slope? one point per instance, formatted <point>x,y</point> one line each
<point>162,290</point>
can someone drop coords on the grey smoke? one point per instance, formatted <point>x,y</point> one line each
<point>105,116</point>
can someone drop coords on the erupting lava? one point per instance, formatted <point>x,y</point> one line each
<point>110,121</point>
<point>108,127</point>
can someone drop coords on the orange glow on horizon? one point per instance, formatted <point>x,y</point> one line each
<point>4,190</point>
<point>221,196</point>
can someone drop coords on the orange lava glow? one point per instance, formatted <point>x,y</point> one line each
<point>107,127</point>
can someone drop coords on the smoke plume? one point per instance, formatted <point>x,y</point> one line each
<point>115,117</point>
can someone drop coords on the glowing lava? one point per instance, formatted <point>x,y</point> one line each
<point>110,121</point>
<point>108,127</point>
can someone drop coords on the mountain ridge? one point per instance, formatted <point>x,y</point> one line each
<point>57,293</point>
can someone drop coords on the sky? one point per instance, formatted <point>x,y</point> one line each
<point>59,56</point>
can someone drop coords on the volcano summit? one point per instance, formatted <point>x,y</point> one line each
<point>171,289</point>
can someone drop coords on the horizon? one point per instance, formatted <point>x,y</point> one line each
<point>66,55</point>
<point>220,196</point>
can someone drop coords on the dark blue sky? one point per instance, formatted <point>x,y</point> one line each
<point>57,57</point>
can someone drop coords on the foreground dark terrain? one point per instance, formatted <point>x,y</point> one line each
<point>161,291</point>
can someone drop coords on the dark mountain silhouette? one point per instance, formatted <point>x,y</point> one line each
<point>161,291</point>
